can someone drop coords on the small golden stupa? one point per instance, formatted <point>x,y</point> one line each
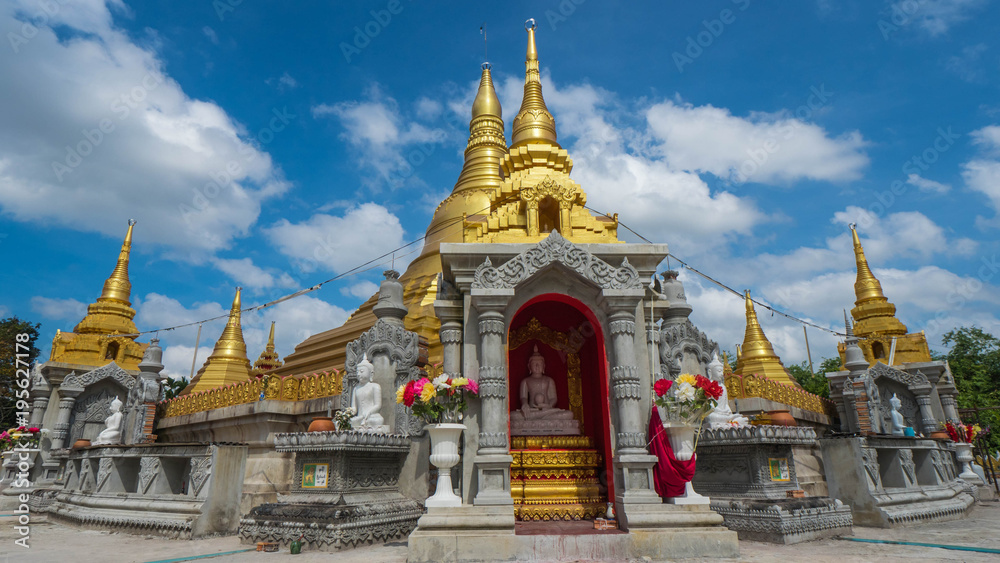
<point>268,359</point>
<point>228,362</point>
<point>757,355</point>
<point>107,334</point>
<point>875,322</point>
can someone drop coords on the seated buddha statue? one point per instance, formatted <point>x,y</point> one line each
<point>538,414</point>
<point>366,400</point>
<point>722,416</point>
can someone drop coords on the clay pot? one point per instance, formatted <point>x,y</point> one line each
<point>81,444</point>
<point>321,424</point>
<point>782,418</point>
<point>939,435</point>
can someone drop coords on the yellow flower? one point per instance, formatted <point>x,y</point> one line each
<point>428,392</point>
<point>399,393</point>
<point>686,378</point>
<point>459,382</point>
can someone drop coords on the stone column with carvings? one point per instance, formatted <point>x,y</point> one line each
<point>928,422</point>
<point>633,462</point>
<point>493,458</point>
<point>67,399</point>
<point>40,393</point>
<point>949,407</point>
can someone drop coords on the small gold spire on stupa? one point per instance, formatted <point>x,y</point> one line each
<point>756,354</point>
<point>268,359</point>
<point>117,287</point>
<point>487,145</point>
<point>228,362</point>
<point>872,312</point>
<point>533,122</point>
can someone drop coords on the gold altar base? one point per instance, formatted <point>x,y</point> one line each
<point>549,481</point>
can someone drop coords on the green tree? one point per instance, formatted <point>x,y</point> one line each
<point>814,383</point>
<point>17,354</point>
<point>173,387</point>
<point>974,357</point>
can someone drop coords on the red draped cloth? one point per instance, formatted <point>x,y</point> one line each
<point>669,474</point>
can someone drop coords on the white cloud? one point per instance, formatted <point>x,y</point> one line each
<point>925,185</point>
<point>210,34</point>
<point>59,309</point>
<point>160,158</point>
<point>982,174</point>
<point>361,290</point>
<point>766,148</point>
<point>251,276</point>
<point>339,243</point>
<point>386,144</point>
<point>967,65</point>
<point>935,17</point>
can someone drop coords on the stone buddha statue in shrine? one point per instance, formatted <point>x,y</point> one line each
<point>722,416</point>
<point>538,414</point>
<point>366,400</point>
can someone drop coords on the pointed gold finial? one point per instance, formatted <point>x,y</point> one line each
<point>487,145</point>
<point>757,354</point>
<point>268,359</point>
<point>867,288</point>
<point>872,312</point>
<point>533,123</point>
<point>228,362</point>
<point>117,287</point>
<point>270,339</point>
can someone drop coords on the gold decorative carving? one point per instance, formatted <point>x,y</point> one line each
<point>551,442</point>
<point>753,385</point>
<point>560,341</point>
<point>291,388</point>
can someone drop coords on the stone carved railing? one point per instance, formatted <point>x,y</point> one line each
<point>794,435</point>
<point>289,388</point>
<point>320,441</point>
<point>757,386</point>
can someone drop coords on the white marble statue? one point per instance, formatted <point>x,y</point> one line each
<point>366,400</point>
<point>112,434</point>
<point>898,422</point>
<point>538,413</point>
<point>722,416</point>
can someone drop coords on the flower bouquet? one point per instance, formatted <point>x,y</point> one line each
<point>342,418</point>
<point>683,404</point>
<point>27,438</point>
<point>961,432</point>
<point>443,399</point>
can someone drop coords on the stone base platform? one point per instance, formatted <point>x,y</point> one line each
<point>786,521</point>
<point>477,533</point>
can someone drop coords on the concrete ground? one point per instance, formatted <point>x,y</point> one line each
<point>57,543</point>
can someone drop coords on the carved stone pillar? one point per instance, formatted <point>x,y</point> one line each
<point>653,342</point>
<point>40,393</point>
<point>949,407</point>
<point>450,314</point>
<point>67,399</point>
<point>493,458</point>
<point>928,422</point>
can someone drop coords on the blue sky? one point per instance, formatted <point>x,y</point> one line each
<point>274,146</point>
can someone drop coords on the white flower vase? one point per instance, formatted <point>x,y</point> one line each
<point>963,452</point>
<point>444,456</point>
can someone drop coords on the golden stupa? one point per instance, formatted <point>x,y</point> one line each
<point>107,333</point>
<point>875,322</point>
<point>757,355</point>
<point>502,195</point>
<point>268,359</point>
<point>228,362</point>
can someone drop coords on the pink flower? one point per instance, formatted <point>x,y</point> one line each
<point>472,386</point>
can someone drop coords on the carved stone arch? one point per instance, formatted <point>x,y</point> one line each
<point>676,339</point>
<point>556,249</point>
<point>110,371</point>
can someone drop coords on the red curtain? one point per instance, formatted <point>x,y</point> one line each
<point>669,474</point>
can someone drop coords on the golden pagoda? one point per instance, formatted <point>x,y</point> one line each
<point>757,355</point>
<point>875,322</point>
<point>502,195</point>
<point>107,334</point>
<point>228,362</point>
<point>268,359</point>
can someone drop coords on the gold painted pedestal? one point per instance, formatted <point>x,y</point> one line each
<point>556,478</point>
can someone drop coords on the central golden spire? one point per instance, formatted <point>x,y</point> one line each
<point>533,122</point>
<point>872,312</point>
<point>117,287</point>
<point>228,362</point>
<point>757,355</point>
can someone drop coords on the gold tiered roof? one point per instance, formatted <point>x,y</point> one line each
<point>757,355</point>
<point>228,362</point>
<point>268,359</point>
<point>875,321</point>
<point>95,340</point>
<point>501,195</point>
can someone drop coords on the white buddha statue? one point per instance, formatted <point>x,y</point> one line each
<point>538,414</point>
<point>722,416</point>
<point>112,434</point>
<point>898,422</point>
<point>366,400</point>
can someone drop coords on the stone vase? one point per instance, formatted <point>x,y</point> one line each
<point>963,452</point>
<point>681,438</point>
<point>444,456</point>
